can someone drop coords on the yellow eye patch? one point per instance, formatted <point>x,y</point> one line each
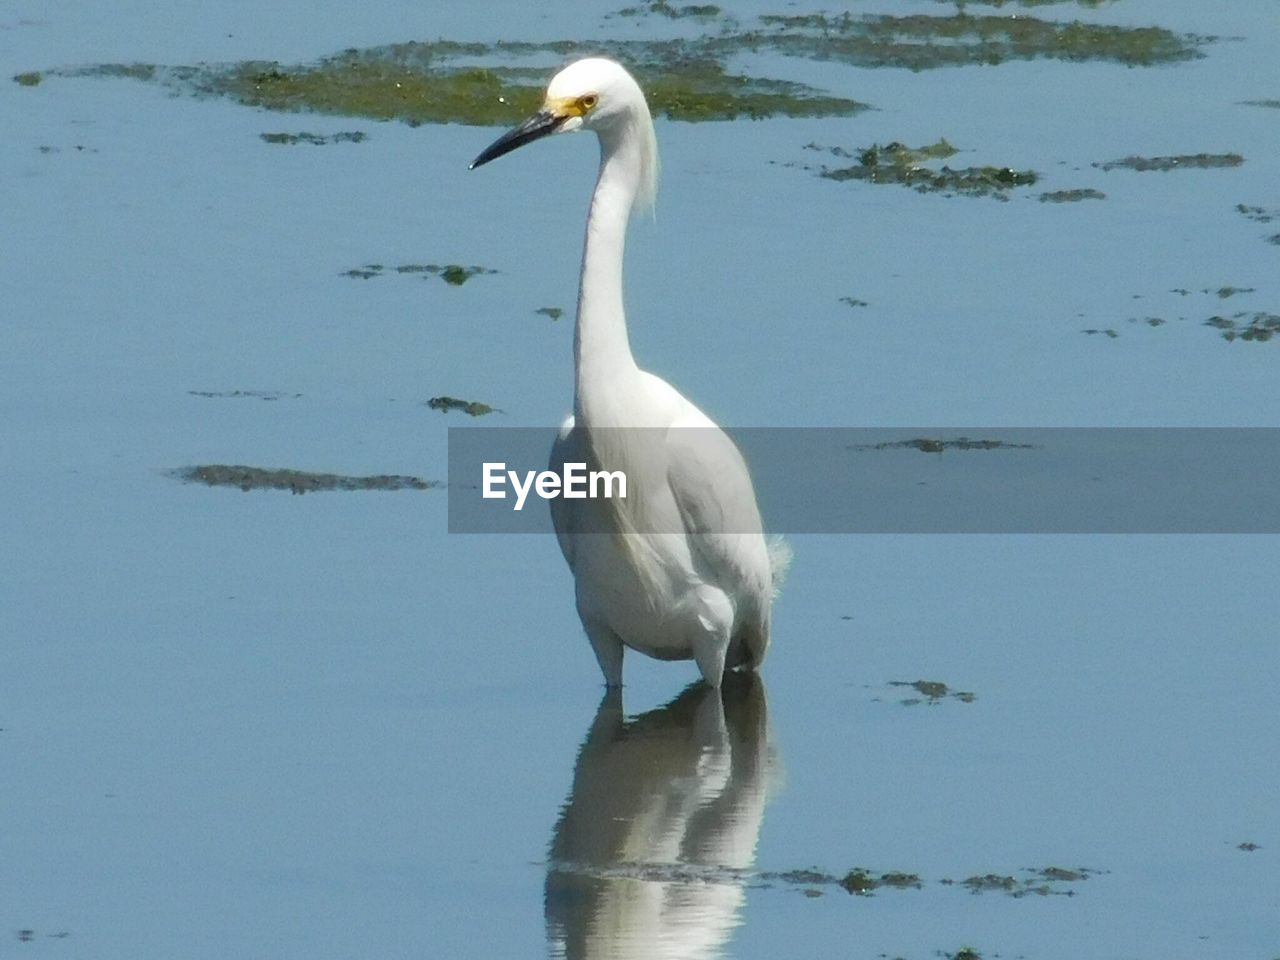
<point>572,106</point>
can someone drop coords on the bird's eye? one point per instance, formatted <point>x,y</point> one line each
<point>588,101</point>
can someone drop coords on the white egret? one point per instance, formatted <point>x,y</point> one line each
<point>682,568</point>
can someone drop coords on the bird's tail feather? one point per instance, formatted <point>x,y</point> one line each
<point>780,557</point>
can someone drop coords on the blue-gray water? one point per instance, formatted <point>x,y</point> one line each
<point>263,725</point>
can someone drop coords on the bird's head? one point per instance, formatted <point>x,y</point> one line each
<point>591,94</point>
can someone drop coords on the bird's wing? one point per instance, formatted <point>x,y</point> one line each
<point>564,512</point>
<point>717,502</point>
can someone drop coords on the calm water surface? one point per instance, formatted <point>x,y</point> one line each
<point>263,725</point>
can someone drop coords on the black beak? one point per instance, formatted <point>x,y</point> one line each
<point>536,127</point>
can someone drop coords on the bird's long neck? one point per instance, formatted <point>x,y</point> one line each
<point>601,350</point>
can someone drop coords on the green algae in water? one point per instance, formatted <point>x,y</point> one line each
<point>934,691</point>
<point>316,139</point>
<point>470,407</point>
<point>854,302</point>
<point>705,11</point>
<point>920,42</point>
<point>896,163</point>
<point>417,83</point>
<point>481,83</point>
<point>1186,161</point>
<point>30,79</point>
<point>862,883</point>
<point>555,313</point>
<point>1088,4</point>
<point>938,445</point>
<point>1256,327</point>
<point>295,481</point>
<point>255,394</point>
<point>452,273</point>
<point>1257,214</point>
<point>1071,196</point>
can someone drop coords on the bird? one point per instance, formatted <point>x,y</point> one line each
<point>679,568</point>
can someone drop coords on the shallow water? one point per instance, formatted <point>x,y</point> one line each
<point>259,724</point>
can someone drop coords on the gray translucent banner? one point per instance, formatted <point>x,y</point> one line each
<point>901,480</point>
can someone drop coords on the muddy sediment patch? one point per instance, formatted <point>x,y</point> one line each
<point>295,481</point>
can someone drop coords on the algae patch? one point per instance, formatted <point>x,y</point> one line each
<point>1071,196</point>
<point>555,313</point>
<point>491,84</point>
<point>1185,161</point>
<point>1257,214</point>
<point>938,445</point>
<point>696,11</point>
<point>470,407</point>
<point>932,692</point>
<point>451,273</point>
<point>1040,882</point>
<point>862,883</point>
<point>1258,326</point>
<point>30,79</point>
<point>316,139</point>
<point>295,481</point>
<point>255,394</point>
<point>897,163</point>
<point>919,42</point>
<point>425,83</point>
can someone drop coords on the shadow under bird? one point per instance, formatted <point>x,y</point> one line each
<point>680,567</point>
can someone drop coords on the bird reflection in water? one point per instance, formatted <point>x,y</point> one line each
<point>650,853</point>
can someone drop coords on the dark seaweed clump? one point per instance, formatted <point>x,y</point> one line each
<point>295,481</point>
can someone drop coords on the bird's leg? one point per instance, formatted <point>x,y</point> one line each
<point>711,629</point>
<point>607,647</point>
